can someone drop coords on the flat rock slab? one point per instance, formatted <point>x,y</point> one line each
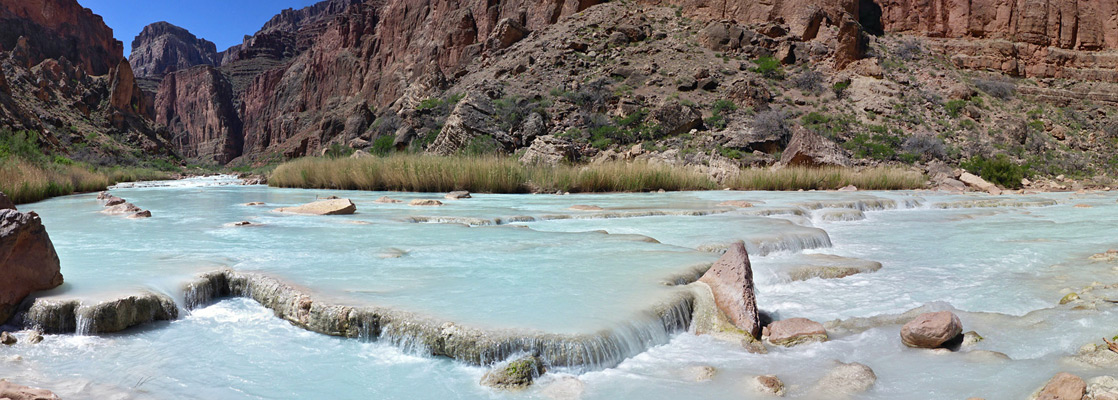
<point>322,207</point>
<point>794,331</point>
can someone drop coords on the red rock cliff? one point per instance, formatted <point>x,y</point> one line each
<point>60,28</point>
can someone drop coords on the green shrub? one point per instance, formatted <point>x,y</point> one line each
<point>769,67</point>
<point>953,107</point>
<point>999,170</point>
<point>383,145</point>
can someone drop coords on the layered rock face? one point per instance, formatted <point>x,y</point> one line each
<point>196,106</point>
<point>162,48</point>
<point>57,29</point>
<point>28,261</point>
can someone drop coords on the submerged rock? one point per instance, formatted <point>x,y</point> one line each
<point>34,337</point>
<point>828,266</point>
<point>584,207</point>
<point>794,331</point>
<point>458,195</point>
<point>1099,356</point>
<point>425,203</point>
<point>13,391</point>
<point>121,209</point>
<point>322,207</point>
<point>971,338</point>
<point>8,339</point>
<point>768,384</point>
<point>112,201</point>
<point>388,200</point>
<point>699,373</point>
<point>140,215</point>
<point>28,261</point>
<point>931,330</point>
<point>1063,386</point>
<point>564,388</point>
<point>516,374</point>
<point>846,379</point>
<point>736,203</point>
<point>731,282</point>
<point>254,203</point>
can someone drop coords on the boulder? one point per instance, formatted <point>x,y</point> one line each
<point>794,331</point>
<point>322,207</point>
<point>506,33</point>
<point>471,118</point>
<point>5,203</point>
<point>121,209</point>
<point>548,150</point>
<point>675,118</point>
<point>846,379</point>
<point>721,36</point>
<point>809,149</point>
<point>564,388</point>
<point>34,337</point>
<point>28,261</point>
<point>931,330</point>
<point>388,200</point>
<point>13,391</point>
<point>516,374</point>
<point>140,215</point>
<point>977,182</point>
<point>1063,386</point>
<point>731,282</point>
<point>425,202</point>
<point>111,200</point>
<point>458,195</point>
<point>254,203</point>
<point>8,339</point>
<point>768,384</point>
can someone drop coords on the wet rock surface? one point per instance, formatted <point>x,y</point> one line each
<point>28,260</point>
<point>1063,386</point>
<point>515,374</point>
<point>931,330</point>
<point>794,331</point>
<point>846,379</point>
<point>75,316</point>
<point>322,207</point>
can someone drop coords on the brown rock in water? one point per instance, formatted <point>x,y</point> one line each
<point>34,337</point>
<point>809,149</point>
<point>794,331</point>
<point>140,215</point>
<point>1063,386</point>
<point>931,330</point>
<point>5,203</point>
<point>736,203</point>
<point>121,209</point>
<point>322,207</point>
<point>425,203</point>
<point>768,384</point>
<point>28,261</point>
<point>516,374</point>
<point>8,339</point>
<point>13,391</point>
<point>731,281</point>
<point>110,201</point>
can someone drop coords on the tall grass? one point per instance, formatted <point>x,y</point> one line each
<point>827,178</point>
<point>479,174</point>
<point>26,182</point>
<point>505,175</point>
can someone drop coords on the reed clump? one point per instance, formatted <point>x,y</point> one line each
<point>27,182</point>
<point>495,174</point>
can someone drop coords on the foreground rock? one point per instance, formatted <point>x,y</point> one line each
<point>28,261</point>
<point>70,315</point>
<point>517,374</point>
<point>11,391</point>
<point>731,282</point>
<point>794,331</point>
<point>5,203</point>
<point>1063,386</point>
<point>931,330</point>
<point>322,207</point>
<point>846,379</point>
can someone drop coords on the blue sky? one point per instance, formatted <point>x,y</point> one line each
<point>224,22</point>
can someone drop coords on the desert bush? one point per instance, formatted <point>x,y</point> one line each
<point>383,145</point>
<point>925,147</point>
<point>772,122</point>
<point>769,67</point>
<point>910,49</point>
<point>1001,89</point>
<point>809,81</point>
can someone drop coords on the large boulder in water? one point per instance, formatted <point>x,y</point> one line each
<point>28,261</point>
<point>1063,386</point>
<point>794,331</point>
<point>13,391</point>
<point>322,207</point>
<point>931,330</point>
<point>731,282</point>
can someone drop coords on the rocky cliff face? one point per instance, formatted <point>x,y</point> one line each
<point>196,105</point>
<point>66,80</point>
<point>162,48</point>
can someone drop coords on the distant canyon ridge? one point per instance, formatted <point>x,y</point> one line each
<point>327,73</point>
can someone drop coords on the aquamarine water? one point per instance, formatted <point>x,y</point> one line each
<point>528,262</point>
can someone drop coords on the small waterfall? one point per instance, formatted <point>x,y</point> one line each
<point>84,325</point>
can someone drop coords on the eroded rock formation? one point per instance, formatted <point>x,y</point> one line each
<point>196,106</point>
<point>162,48</point>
